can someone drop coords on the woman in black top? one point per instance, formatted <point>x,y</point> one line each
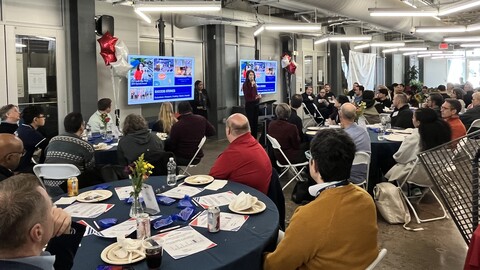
<point>200,102</point>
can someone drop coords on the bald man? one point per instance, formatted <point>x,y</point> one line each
<point>11,151</point>
<point>244,161</point>
<point>359,136</point>
<point>473,113</point>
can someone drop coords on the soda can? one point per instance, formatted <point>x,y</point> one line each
<point>213,214</point>
<point>143,226</point>
<point>72,186</point>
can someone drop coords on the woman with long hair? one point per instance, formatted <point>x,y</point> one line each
<point>457,93</point>
<point>251,101</point>
<point>166,118</point>
<point>430,131</point>
<point>200,102</point>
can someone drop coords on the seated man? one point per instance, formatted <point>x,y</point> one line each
<point>359,136</point>
<point>286,135</point>
<point>187,133</point>
<point>450,109</point>
<point>435,101</point>
<point>11,150</point>
<point>324,106</point>
<point>10,116</point>
<point>382,100</point>
<point>401,115</point>
<point>30,221</point>
<point>295,103</point>
<point>244,161</point>
<point>69,148</point>
<point>473,113</point>
<point>33,118</point>
<point>95,122</point>
<point>309,99</point>
<point>338,230</point>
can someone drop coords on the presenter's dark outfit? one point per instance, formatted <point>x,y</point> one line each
<point>251,106</point>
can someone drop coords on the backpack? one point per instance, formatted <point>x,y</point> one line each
<point>391,205</point>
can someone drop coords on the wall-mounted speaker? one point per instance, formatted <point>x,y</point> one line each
<point>103,24</point>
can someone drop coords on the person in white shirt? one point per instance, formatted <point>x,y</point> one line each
<point>95,122</point>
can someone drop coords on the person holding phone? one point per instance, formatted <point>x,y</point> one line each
<point>251,101</point>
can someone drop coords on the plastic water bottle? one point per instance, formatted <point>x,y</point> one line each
<point>89,132</point>
<point>172,172</point>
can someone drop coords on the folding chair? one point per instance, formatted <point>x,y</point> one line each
<point>379,258</point>
<point>426,189</point>
<point>475,124</point>
<point>322,121</point>
<point>290,167</point>
<point>53,175</point>
<point>362,158</point>
<point>190,164</point>
<point>309,114</point>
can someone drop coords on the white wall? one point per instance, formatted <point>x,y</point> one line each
<point>434,72</point>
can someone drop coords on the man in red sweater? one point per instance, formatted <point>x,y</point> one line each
<point>244,161</point>
<point>450,109</point>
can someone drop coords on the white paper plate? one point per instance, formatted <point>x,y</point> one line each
<point>255,209</point>
<point>108,256</point>
<point>314,128</point>
<point>311,133</point>
<point>94,196</point>
<point>199,180</point>
<point>395,137</point>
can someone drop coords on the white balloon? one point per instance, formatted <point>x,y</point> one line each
<point>120,67</point>
<point>121,50</point>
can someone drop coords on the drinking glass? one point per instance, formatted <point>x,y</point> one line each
<point>154,252</point>
<point>381,133</point>
<point>143,226</point>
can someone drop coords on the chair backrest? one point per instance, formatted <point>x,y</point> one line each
<point>379,258</point>
<point>475,124</point>
<point>276,145</point>
<point>55,171</point>
<point>55,174</point>
<point>275,194</point>
<point>159,160</point>
<point>362,158</point>
<point>200,145</point>
<point>305,109</point>
<point>318,112</point>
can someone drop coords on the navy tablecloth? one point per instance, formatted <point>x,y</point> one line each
<point>235,250</point>
<point>103,157</point>
<point>381,159</point>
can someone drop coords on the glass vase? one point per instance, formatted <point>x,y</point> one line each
<point>104,132</point>
<point>136,208</point>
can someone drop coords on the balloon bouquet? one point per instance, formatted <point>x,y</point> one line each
<point>114,53</point>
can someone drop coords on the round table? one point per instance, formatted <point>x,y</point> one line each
<point>235,250</point>
<point>108,156</point>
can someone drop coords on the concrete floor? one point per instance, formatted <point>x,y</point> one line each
<point>438,246</point>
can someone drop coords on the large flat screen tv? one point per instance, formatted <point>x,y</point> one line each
<point>155,79</point>
<point>265,73</point>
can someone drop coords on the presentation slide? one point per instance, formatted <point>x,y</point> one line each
<point>155,79</point>
<point>265,75</point>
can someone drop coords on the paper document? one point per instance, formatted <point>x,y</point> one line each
<point>180,192</point>
<point>66,200</point>
<point>122,229</point>
<point>124,192</point>
<point>216,185</point>
<point>218,199</point>
<point>228,221</point>
<point>88,210</point>
<point>184,242</point>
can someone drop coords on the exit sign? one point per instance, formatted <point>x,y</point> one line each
<point>443,46</point>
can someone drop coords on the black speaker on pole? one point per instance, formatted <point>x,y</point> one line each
<point>103,24</point>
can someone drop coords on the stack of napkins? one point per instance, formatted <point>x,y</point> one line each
<point>243,201</point>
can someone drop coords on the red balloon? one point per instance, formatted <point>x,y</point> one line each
<point>108,58</point>
<point>107,48</point>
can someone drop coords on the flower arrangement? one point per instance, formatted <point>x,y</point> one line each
<point>105,119</point>
<point>360,109</point>
<point>138,171</point>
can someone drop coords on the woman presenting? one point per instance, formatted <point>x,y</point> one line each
<point>252,97</point>
<point>200,102</point>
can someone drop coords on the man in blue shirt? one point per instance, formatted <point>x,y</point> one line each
<point>33,118</point>
<point>359,136</point>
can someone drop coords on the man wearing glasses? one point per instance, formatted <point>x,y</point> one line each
<point>11,150</point>
<point>33,118</point>
<point>450,109</point>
